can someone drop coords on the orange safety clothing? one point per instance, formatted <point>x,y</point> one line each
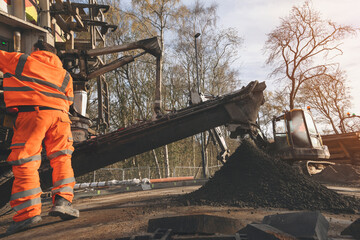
<point>30,129</point>
<point>38,79</point>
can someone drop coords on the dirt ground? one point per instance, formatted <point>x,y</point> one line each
<point>125,214</point>
<point>340,174</point>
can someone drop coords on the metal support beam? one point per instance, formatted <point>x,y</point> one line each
<point>150,45</point>
<point>157,102</point>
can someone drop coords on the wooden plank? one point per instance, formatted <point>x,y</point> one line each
<point>344,149</point>
<point>334,149</point>
<point>342,161</point>
<point>343,136</point>
<point>337,156</point>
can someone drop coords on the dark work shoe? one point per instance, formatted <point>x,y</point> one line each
<point>63,209</point>
<point>20,226</point>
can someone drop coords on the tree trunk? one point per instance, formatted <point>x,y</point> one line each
<point>334,127</point>
<point>292,97</point>
<point>135,163</point>
<point>166,160</point>
<point>157,164</point>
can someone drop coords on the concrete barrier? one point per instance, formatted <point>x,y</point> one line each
<point>353,229</point>
<point>256,231</point>
<point>303,225</point>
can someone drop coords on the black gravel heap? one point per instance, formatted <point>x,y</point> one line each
<point>251,178</point>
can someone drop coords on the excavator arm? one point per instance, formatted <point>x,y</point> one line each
<point>84,65</point>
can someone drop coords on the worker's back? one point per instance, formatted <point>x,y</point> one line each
<point>38,79</point>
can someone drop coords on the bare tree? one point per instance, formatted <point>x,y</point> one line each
<point>330,97</point>
<point>153,17</point>
<point>132,87</point>
<point>301,47</point>
<point>217,50</point>
<point>350,123</point>
<point>274,105</point>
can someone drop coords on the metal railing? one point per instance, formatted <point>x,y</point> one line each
<point>107,174</point>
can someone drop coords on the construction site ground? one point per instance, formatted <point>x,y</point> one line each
<point>115,215</point>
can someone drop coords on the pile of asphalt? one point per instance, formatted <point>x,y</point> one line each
<point>251,178</point>
<point>339,174</point>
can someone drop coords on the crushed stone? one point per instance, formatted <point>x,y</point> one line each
<point>251,178</point>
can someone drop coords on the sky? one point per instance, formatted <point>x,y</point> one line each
<point>253,19</point>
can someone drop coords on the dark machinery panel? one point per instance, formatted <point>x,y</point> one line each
<point>5,45</point>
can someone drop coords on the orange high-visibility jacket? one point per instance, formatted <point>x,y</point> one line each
<point>38,79</point>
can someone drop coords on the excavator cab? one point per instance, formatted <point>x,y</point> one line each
<point>296,139</point>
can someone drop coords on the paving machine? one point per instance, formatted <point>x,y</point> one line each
<point>56,23</point>
<point>95,147</point>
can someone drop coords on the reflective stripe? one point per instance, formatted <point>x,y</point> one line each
<point>17,144</point>
<point>27,204</point>
<point>25,160</point>
<point>34,80</point>
<point>57,95</point>
<point>63,189</point>
<point>65,82</point>
<point>18,89</point>
<point>20,66</point>
<point>25,193</point>
<point>8,75</point>
<point>59,153</point>
<point>26,89</point>
<point>70,139</point>
<point>64,181</point>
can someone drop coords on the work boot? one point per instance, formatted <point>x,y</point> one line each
<point>22,225</point>
<point>63,209</point>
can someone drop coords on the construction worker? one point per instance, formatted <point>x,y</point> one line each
<point>39,91</point>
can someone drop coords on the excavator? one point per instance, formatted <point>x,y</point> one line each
<point>297,141</point>
<point>95,147</point>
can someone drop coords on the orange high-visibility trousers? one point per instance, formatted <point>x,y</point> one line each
<point>31,129</point>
